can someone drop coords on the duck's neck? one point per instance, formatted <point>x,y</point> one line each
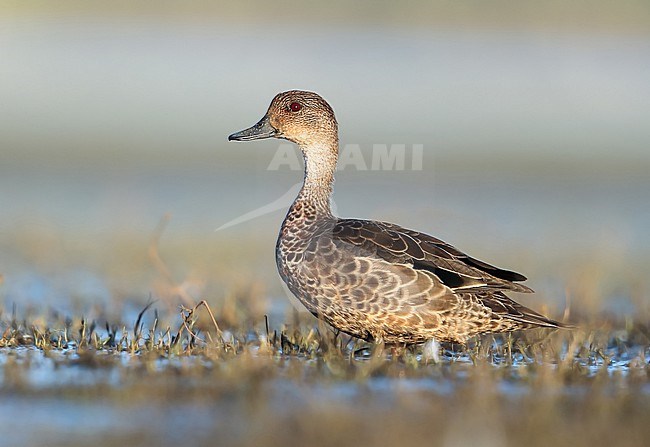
<point>320,164</point>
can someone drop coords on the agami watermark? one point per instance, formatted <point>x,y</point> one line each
<point>383,157</point>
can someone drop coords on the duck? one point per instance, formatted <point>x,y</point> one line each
<point>375,280</point>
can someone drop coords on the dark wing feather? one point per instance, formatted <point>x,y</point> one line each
<point>500,304</point>
<point>454,268</point>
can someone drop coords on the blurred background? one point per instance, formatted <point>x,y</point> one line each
<point>115,172</point>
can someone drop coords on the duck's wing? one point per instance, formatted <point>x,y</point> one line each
<point>455,269</point>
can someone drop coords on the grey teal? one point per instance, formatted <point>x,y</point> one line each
<point>375,280</point>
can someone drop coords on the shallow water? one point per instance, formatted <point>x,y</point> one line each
<point>66,402</point>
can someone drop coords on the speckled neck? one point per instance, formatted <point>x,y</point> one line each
<point>320,165</point>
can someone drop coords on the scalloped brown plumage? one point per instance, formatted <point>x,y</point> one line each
<point>374,280</point>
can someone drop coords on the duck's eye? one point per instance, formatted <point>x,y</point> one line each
<point>295,106</point>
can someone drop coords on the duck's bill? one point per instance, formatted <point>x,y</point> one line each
<point>259,131</point>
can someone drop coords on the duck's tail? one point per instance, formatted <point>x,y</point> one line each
<point>526,317</point>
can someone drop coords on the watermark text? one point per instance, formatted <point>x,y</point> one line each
<point>382,157</point>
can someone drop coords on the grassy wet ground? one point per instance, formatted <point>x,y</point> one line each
<point>84,360</point>
<point>168,378</point>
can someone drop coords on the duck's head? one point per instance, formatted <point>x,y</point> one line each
<point>299,116</point>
